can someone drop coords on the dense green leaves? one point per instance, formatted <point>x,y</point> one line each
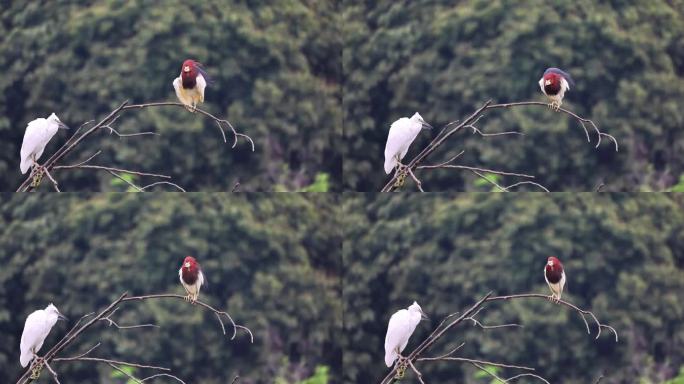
<point>623,257</point>
<point>273,262</point>
<point>276,70</point>
<point>446,58</point>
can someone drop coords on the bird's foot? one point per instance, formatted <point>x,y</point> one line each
<point>553,299</point>
<point>189,108</point>
<point>402,364</point>
<point>402,170</point>
<point>188,298</point>
<point>36,367</point>
<point>38,172</point>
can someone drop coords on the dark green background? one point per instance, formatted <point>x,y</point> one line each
<point>446,58</point>
<point>277,74</point>
<point>623,255</point>
<point>272,261</point>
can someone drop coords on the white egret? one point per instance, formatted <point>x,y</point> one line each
<point>37,327</point>
<point>401,135</point>
<point>399,330</point>
<point>37,136</point>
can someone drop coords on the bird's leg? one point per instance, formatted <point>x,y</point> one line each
<point>37,171</point>
<point>36,366</point>
<point>402,364</point>
<point>401,170</point>
<point>188,296</point>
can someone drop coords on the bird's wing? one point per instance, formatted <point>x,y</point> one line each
<point>201,84</point>
<point>564,84</point>
<point>399,138</point>
<point>562,281</point>
<point>32,336</point>
<point>202,280</point>
<point>182,97</point>
<point>35,132</point>
<point>541,85</point>
<point>546,278</point>
<point>397,335</point>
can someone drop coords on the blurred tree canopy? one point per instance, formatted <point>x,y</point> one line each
<point>276,70</point>
<point>273,262</point>
<point>624,260</point>
<point>446,58</point>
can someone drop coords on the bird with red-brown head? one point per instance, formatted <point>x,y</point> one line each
<point>554,274</point>
<point>190,84</point>
<point>191,277</point>
<point>553,84</point>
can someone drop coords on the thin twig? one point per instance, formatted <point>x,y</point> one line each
<point>449,130</point>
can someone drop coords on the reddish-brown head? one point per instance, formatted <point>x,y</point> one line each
<point>189,72</point>
<point>190,270</point>
<point>553,269</point>
<point>552,83</point>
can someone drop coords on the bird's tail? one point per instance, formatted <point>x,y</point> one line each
<point>25,358</point>
<point>390,163</point>
<point>390,356</point>
<point>26,164</point>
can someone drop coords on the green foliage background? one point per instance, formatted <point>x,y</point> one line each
<point>446,58</point>
<point>277,73</point>
<point>624,260</point>
<point>273,262</point>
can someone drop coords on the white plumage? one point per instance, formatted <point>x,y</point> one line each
<point>193,290</point>
<point>556,99</point>
<point>37,136</point>
<point>401,135</point>
<point>37,327</point>
<point>399,330</point>
<point>556,289</point>
<point>190,97</point>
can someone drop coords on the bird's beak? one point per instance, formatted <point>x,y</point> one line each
<point>62,125</point>
<point>547,82</point>
<point>61,317</point>
<point>187,265</point>
<point>186,68</point>
<point>425,125</point>
<point>423,316</point>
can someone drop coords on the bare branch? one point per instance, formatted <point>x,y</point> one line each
<point>107,123</point>
<point>106,315</point>
<point>470,314</point>
<point>451,128</point>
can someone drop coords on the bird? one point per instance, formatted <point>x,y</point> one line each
<point>553,84</point>
<point>190,84</point>
<point>401,134</point>
<point>400,328</point>
<point>191,277</point>
<point>554,274</point>
<point>37,327</point>
<point>37,136</point>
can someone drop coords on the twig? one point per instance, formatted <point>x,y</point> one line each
<point>105,315</point>
<point>217,312</point>
<point>449,130</point>
<point>106,123</point>
<point>447,324</point>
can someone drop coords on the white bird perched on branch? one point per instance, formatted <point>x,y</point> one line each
<point>401,135</point>
<point>37,136</point>
<point>399,330</point>
<point>37,327</point>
